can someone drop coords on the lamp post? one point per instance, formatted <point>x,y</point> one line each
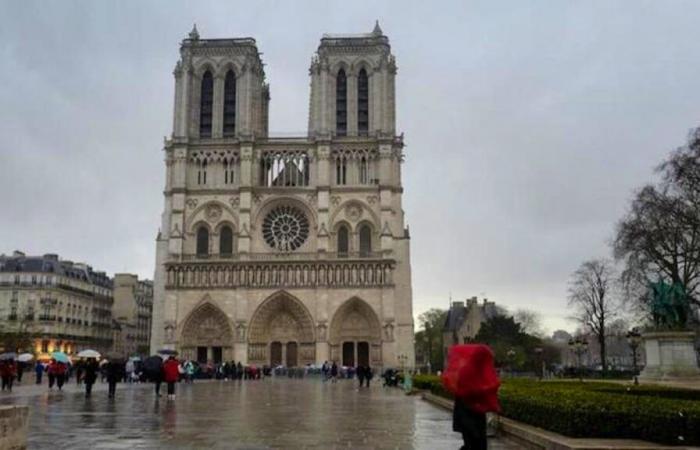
<point>579,346</point>
<point>511,355</point>
<point>540,359</point>
<point>634,338</point>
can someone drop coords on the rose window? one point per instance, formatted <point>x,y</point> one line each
<point>285,228</point>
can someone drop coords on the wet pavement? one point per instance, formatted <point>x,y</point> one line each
<point>273,413</point>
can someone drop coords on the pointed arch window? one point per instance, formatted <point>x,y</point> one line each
<point>343,241</point>
<point>206,104</point>
<point>341,170</point>
<point>202,172</point>
<point>229,171</point>
<point>202,242</point>
<point>362,103</point>
<point>230,104</point>
<point>341,104</point>
<point>365,241</point>
<point>226,241</point>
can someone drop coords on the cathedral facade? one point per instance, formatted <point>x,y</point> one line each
<point>292,250</point>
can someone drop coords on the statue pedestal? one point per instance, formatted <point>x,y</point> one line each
<point>670,356</point>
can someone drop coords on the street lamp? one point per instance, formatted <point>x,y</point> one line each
<point>538,352</point>
<point>634,338</point>
<point>511,355</point>
<point>579,346</point>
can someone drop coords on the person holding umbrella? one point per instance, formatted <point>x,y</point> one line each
<point>171,374</point>
<point>472,378</point>
<point>153,368</point>
<point>115,371</point>
<point>39,371</point>
<point>8,370</point>
<point>90,370</point>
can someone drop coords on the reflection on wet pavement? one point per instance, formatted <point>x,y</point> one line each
<point>273,413</point>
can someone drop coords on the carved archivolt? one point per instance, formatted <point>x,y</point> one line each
<point>281,318</point>
<point>207,326</point>
<point>355,320</point>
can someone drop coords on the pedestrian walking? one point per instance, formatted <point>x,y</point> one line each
<point>334,373</point>
<point>8,371</point>
<point>20,370</point>
<point>171,375</point>
<point>324,370</point>
<point>129,370</point>
<point>472,378</point>
<point>368,374</point>
<point>361,374</point>
<point>57,372</point>
<point>115,373</point>
<point>90,370</point>
<point>153,370</point>
<point>79,373</point>
<point>39,371</point>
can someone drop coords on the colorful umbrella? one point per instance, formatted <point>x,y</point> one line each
<point>25,357</point>
<point>88,354</point>
<point>60,357</point>
<point>471,376</point>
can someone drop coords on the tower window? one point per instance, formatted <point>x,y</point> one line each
<point>202,241</point>
<point>341,170</point>
<point>206,105</point>
<point>365,241</point>
<point>362,103</point>
<point>341,104</point>
<point>226,241</point>
<point>229,171</point>
<point>202,172</point>
<point>230,104</point>
<point>364,170</point>
<point>343,243</point>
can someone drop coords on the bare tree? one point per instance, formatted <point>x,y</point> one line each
<point>530,321</point>
<point>591,294</point>
<point>659,238</point>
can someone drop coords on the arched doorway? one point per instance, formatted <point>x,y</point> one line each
<point>206,335</point>
<point>281,332</point>
<point>355,335</point>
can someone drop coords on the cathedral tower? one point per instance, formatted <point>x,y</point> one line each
<point>284,250</point>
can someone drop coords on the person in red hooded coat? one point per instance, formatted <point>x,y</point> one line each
<point>171,375</point>
<point>471,376</point>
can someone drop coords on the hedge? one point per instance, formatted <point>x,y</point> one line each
<point>597,410</point>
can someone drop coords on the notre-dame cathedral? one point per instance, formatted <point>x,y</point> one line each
<point>289,250</point>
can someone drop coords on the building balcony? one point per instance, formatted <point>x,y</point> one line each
<point>279,257</point>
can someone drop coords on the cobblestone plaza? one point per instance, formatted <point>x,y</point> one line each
<point>273,413</point>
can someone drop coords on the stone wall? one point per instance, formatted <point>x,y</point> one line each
<point>13,427</point>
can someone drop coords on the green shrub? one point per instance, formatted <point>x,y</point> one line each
<point>599,410</point>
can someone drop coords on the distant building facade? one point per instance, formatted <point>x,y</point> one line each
<point>132,312</point>
<point>463,321</point>
<point>64,306</point>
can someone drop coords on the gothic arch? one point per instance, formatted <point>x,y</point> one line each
<point>205,326</point>
<point>281,317</point>
<point>360,64</point>
<point>341,211</point>
<point>355,320</point>
<point>199,216</point>
<point>202,66</point>
<point>226,66</point>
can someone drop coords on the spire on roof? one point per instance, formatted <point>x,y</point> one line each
<point>377,29</point>
<point>194,34</point>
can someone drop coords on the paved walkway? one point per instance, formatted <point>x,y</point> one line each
<point>274,413</point>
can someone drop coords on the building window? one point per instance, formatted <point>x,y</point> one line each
<point>44,346</point>
<point>365,241</point>
<point>343,241</point>
<point>341,104</point>
<point>226,241</point>
<point>230,104</point>
<point>202,241</point>
<point>341,170</point>
<point>362,103</point>
<point>364,171</point>
<point>229,166</point>
<point>206,105</point>
<point>285,168</point>
<point>202,172</point>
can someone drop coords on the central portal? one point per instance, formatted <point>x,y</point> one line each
<point>281,333</point>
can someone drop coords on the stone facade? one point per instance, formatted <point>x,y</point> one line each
<point>132,312</point>
<point>67,306</point>
<point>464,321</point>
<point>284,250</point>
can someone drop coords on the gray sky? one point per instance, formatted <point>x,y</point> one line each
<point>528,125</point>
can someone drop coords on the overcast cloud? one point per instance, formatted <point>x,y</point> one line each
<point>528,125</point>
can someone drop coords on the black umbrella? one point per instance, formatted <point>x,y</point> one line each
<point>152,364</point>
<point>167,352</point>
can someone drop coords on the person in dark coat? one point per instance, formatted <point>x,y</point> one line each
<point>20,371</point>
<point>90,369</point>
<point>39,371</point>
<point>368,374</point>
<point>472,378</point>
<point>115,373</point>
<point>8,371</point>
<point>334,372</point>
<point>361,374</point>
